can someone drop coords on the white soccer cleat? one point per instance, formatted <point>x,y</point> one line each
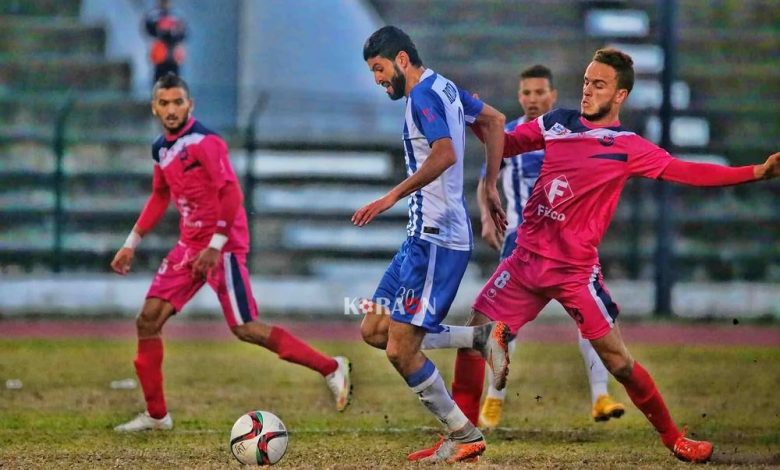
<point>144,422</point>
<point>340,383</point>
<point>496,353</point>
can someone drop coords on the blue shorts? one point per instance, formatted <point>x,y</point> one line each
<point>510,242</point>
<point>421,282</point>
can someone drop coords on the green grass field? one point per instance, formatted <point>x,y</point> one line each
<point>63,416</point>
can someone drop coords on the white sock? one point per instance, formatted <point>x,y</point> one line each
<point>430,389</point>
<point>491,391</point>
<point>450,337</point>
<point>597,373</point>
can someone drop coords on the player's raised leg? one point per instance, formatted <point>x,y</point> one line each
<point>604,406</point>
<point>230,280</point>
<point>148,367</point>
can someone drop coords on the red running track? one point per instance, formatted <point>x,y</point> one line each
<point>653,333</point>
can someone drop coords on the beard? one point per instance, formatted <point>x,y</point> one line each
<point>398,82</point>
<point>174,129</point>
<point>602,111</point>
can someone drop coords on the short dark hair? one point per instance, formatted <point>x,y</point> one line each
<point>621,62</point>
<point>387,42</point>
<point>538,71</point>
<point>170,80</point>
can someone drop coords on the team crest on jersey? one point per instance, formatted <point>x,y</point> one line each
<point>559,129</point>
<point>607,140</point>
<point>558,191</point>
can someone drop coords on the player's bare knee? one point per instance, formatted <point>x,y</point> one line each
<point>373,337</point>
<point>620,368</point>
<point>148,322</point>
<point>374,332</point>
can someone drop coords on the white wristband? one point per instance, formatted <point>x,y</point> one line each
<point>218,241</point>
<point>132,240</point>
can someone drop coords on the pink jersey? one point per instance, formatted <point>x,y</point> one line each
<point>585,168</point>
<point>194,165</point>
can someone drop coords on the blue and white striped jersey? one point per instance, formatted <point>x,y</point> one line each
<point>436,110</point>
<point>518,177</point>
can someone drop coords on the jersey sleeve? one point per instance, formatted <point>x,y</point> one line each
<point>213,155</point>
<point>158,179</point>
<point>524,138</point>
<point>429,117</point>
<point>647,159</point>
<point>472,107</point>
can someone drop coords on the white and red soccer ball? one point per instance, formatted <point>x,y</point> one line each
<point>258,438</point>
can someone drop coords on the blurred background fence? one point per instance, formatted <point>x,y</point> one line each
<point>313,138</point>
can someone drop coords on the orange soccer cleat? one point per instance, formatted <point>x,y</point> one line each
<point>447,450</point>
<point>689,450</point>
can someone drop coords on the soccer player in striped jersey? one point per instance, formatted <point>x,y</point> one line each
<point>416,291</point>
<point>536,95</point>
<point>588,158</point>
<point>192,168</point>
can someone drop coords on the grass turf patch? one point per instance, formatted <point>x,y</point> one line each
<point>64,414</point>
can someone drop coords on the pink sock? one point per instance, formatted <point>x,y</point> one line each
<point>468,383</point>
<point>642,391</point>
<point>291,349</point>
<point>148,367</point>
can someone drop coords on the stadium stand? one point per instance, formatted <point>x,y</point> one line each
<point>53,70</point>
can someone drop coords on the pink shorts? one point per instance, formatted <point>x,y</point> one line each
<point>174,283</point>
<point>525,282</point>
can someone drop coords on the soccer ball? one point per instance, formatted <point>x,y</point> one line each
<point>258,438</point>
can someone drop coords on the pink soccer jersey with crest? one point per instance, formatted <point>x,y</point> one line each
<point>584,171</point>
<point>194,165</point>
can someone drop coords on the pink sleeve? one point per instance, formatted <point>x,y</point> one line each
<point>157,203</point>
<point>526,137</point>
<point>707,174</point>
<point>212,152</point>
<point>230,200</point>
<point>646,159</point>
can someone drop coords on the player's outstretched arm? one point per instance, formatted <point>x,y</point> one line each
<point>707,174</point>
<point>442,157</point>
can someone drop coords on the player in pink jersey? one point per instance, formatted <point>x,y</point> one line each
<point>192,167</point>
<point>588,158</point>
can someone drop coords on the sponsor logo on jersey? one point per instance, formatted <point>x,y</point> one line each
<point>548,212</point>
<point>559,129</point>
<point>558,191</point>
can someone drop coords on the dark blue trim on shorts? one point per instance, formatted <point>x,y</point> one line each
<point>238,285</point>
<point>612,308</point>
